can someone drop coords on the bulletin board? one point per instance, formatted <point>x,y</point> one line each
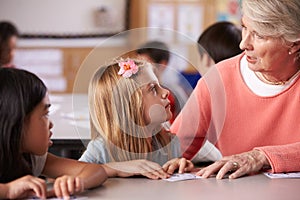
<point>185,17</point>
<point>190,16</point>
<point>229,10</point>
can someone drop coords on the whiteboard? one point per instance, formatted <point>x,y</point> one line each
<point>66,17</point>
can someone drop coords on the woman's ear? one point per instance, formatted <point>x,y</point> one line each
<point>295,47</point>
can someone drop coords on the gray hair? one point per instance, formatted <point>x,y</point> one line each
<point>275,18</point>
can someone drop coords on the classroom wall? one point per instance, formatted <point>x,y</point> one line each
<point>84,18</point>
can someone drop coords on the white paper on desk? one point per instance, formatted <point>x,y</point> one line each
<point>182,177</point>
<point>72,197</point>
<point>283,175</point>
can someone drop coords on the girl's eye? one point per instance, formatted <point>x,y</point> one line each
<point>153,89</point>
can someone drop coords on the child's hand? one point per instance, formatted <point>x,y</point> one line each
<point>182,164</point>
<point>146,168</point>
<point>65,186</point>
<point>26,186</point>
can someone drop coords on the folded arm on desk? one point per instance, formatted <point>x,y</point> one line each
<point>283,158</point>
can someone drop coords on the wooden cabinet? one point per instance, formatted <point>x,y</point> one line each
<point>73,58</point>
<point>96,58</point>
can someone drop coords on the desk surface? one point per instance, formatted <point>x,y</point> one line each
<point>258,187</point>
<point>67,126</point>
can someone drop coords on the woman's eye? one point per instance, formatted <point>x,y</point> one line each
<point>258,36</point>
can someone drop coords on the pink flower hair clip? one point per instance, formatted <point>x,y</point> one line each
<point>127,68</point>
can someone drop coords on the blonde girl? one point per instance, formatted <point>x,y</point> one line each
<point>128,107</point>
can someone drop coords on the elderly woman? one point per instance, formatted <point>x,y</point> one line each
<point>249,105</point>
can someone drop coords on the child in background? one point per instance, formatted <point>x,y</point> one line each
<point>221,41</point>
<point>24,141</point>
<point>218,42</point>
<point>128,107</point>
<point>8,42</point>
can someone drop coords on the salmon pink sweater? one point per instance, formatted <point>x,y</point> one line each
<point>225,111</point>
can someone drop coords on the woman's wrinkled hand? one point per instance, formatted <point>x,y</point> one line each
<point>239,165</point>
<point>182,164</point>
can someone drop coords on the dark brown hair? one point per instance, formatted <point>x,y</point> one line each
<point>20,92</point>
<point>220,41</point>
<point>7,30</point>
<point>157,51</point>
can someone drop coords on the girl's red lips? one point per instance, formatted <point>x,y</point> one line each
<point>167,105</point>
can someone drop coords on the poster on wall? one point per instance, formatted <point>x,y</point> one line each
<point>160,18</point>
<point>190,25</point>
<point>229,10</point>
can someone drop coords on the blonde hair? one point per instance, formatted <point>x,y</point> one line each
<point>275,18</point>
<point>117,114</point>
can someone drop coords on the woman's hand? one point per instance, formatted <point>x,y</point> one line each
<point>240,164</point>
<point>182,164</point>
<point>146,168</point>
<point>65,186</point>
<point>24,187</point>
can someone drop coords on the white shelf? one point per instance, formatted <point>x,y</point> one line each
<point>78,42</point>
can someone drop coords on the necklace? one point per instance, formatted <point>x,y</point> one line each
<point>262,77</point>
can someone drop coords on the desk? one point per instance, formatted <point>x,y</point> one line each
<point>71,133</point>
<point>256,187</point>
